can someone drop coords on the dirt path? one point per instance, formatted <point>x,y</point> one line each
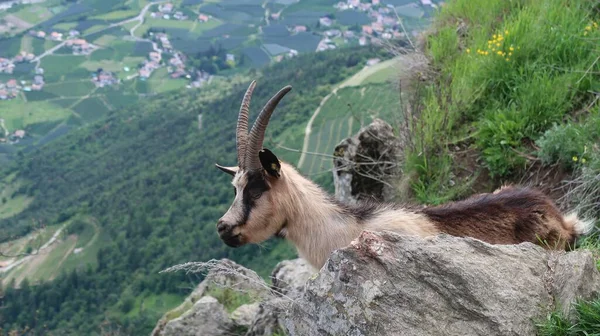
<point>355,80</point>
<point>18,262</point>
<point>72,239</point>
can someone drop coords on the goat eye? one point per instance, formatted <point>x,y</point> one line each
<point>255,194</point>
<point>234,191</point>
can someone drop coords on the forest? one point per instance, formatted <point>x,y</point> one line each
<point>147,175</point>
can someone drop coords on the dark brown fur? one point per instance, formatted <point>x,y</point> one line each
<point>508,216</point>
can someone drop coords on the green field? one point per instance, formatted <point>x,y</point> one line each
<point>18,114</point>
<point>12,203</point>
<point>343,115</point>
<point>117,15</point>
<point>57,67</point>
<point>74,88</point>
<point>33,14</point>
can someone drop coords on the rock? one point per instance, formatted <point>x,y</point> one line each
<point>207,317</point>
<point>289,277</point>
<point>245,314</point>
<point>269,319</point>
<point>223,274</point>
<point>288,281</point>
<point>388,284</point>
<point>367,164</point>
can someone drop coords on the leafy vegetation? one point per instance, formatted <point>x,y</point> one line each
<point>585,323</point>
<point>498,87</point>
<point>146,175</point>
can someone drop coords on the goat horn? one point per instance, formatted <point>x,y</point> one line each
<point>242,125</point>
<point>257,134</point>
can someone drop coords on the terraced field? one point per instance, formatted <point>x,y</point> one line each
<point>344,113</point>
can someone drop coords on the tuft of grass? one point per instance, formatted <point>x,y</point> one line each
<point>229,298</point>
<point>586,321</point>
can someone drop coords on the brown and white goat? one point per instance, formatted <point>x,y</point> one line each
<point>273,199</point>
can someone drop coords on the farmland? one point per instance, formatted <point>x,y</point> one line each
<point>195,40</point>
<point>344,113</point>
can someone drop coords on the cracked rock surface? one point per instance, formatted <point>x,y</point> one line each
<point>387,284</point>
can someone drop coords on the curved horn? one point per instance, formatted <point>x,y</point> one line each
<point>257,134</point>
<point>241,132</point>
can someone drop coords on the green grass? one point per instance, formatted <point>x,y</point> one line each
<point>200,27</point>
<point>18,114</point>
<point>91,109</point>
<point>34,14</point>
<point>229,298</point>
<point>66,25</point>
<point>519,68</point>
<point>57,67</point>
<point>12,203</point>
<point>160,82</point>
<point>117,15</point>
<point>70,88</point>
<point>586,321</point>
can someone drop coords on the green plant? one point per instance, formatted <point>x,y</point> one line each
<point>586,321</point>
<point>229,297</point>
<point>500,137</point>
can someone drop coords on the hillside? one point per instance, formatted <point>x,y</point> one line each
<point>65,63</point>
<point>146,178</point>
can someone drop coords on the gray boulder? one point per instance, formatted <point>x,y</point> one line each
<point>207,317</point>
<point>388,284</point>
<point>288,280</point>
<point>366,166</point>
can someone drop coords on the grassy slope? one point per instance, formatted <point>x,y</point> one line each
<point>502,78</point>
<point>514,85</point>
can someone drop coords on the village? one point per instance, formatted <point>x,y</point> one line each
<point>385,25</point>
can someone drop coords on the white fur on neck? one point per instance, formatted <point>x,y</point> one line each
<point>317,226</point>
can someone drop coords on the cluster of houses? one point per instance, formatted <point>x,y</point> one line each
<point>149,65</point>
<point>164,41</point>
<point>102,78</point>
<point>12,87</point>
<point>80,46</point>
<point>177,66</point>
<point>7,65</point>
<point>54,36</point>
<point>384,23</point>
<point>201,78</point>
<point>14,137</point>
<point>165,11</point>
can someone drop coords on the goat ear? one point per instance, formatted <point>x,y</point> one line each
<point>269,162</point>
<point>229,170</point>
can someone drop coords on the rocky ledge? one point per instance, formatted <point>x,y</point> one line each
<point>387,284</point>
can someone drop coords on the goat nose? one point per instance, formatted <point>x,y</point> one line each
<point>221,226</point>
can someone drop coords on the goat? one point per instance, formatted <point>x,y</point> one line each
<point>274,199</point>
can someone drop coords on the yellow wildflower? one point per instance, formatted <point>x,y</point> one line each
<point>575,158</point>
<point>486,53</point>
<point>468,51</point>
<point>499,53</point>
<point>507,59</point>
<point>509,54</point>
<point>506,32</point>
<point>588,28</point>
<point>595,25</point>
<point>494,36</point>
<point>511,48</point>
<point>583,160</point>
